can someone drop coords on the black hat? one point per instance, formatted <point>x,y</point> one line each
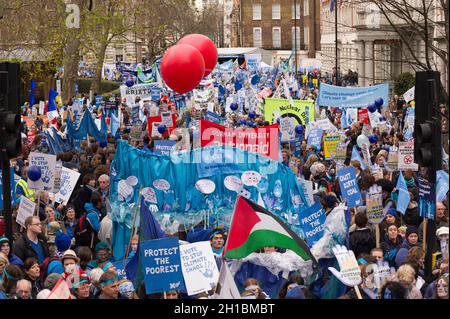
<point>411,230</point>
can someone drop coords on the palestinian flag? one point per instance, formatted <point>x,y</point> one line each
<point>253,228</point>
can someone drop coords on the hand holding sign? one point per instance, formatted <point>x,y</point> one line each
<point>349,274</point>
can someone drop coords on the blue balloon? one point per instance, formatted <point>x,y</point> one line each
<point>34,173</point>
<point>252,114</point>
<point>299,129</point>
<point>373,139</point>
<point>372,107</point>
<point>379,102</point>
<point>234,106</point>
<point>103,144</point>
<point>129,83</point>
<point>382,119</point>
<point>162,128</point>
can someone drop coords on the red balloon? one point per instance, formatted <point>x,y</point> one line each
<point>206,47</point>
<point>182,68</point>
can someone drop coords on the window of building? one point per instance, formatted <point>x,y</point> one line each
<point>119,54</point>
<point>306,37</point>
<point>276,37</point>
<point>257,11</point>
<point>296,34</point>
<point>306,8</point>
<point>257,37</point>
<point>276,11</point>
<point>296,10</point>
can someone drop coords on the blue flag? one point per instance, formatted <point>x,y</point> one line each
<point>403,194</point>
<point>344,123</point>
<point>114,124</point>
<point>32,88</point>
<point>332,5</point>
<point>51,100</point>
<point>442,185</point>
<point>356,156</point>
<point>150,228</point>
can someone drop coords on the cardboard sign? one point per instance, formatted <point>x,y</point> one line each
<point>406,156</point>
<point>330,143</point>
<point>163,147</point>
<point>392,162</point>
<point>313,223</point>
<point>287,129</point>
<point>363,116</point>
<point>315,138</point>
<point>47,164</point>
<point>427,199</point>
<point>199,267</point>
<point>374,203</point>
<point>26,209</point>
<point>349,187</point>
<point>69,179</point>
<point>161,263</point>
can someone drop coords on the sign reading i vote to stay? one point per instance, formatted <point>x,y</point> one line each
<point>349,186</point>
<point>162,266</point>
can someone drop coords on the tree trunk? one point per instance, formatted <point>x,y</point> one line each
<point>95,86</point>
<point>71,62</point>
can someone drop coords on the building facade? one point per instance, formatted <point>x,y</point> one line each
<point>369,45</point>
<point>277,25</point>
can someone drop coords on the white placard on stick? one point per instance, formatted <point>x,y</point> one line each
<point>69,179</point>
<point>47,164</point>
<point>26,209</point>
<point>199,267</point>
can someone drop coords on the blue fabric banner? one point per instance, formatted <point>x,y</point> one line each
<point>330,95</point>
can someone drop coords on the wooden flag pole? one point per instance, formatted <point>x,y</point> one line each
<point>132,230</point>
<point>38,204</point>
<point>358,293</point>
<point>377,235</point>
<point>424,232</point>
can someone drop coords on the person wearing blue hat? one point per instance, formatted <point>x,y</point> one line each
<point>102,255</point>
<point>5,248</point>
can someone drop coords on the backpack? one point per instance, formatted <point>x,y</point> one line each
<point>44,266</point>
<point>84,234</point>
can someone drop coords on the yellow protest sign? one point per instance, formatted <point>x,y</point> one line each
<point>274,108</point>
<point>330,145</point>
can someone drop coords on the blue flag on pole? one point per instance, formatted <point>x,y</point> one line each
<point>403,194</point>
<point>442,185</point>
<point>33,86</point>
<point>51,100</point>
<point>356,156</point>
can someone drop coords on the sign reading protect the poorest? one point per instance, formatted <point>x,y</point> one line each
<point>161,262</point>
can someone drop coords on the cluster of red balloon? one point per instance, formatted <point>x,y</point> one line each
<point>184,65</point>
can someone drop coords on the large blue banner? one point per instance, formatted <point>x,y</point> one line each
<point>313,223</point>
<point>330,95</point>
<point>162,265</point>
<point>349,187</point>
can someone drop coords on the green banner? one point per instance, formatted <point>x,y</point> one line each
<point>282,107</point>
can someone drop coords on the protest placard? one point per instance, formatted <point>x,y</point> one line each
<point>341,152</point>
<point>199,267</point>
<point>161,263</point>
<point>363,116</point>
<point>163,147</point>
<point>47,164</point>
<point>349,187</point>
<point>26,209</point>
<point>287,129</point>
<point>69,180</point>
<point>330,145</point>
<point>406,156</point>
<point>315,138</point>
<point>312,223</point>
